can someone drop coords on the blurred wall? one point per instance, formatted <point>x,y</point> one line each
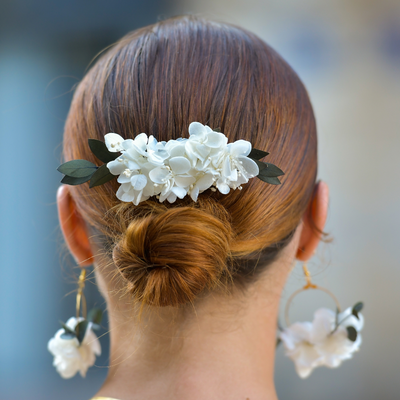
<point>45,48</point>
<point>348,55</point>
<point>347,52</point>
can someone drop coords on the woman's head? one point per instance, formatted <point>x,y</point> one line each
<point>158,80</point>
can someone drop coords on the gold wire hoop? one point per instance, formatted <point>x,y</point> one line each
<point>80,297</point>
<point>308,285</point>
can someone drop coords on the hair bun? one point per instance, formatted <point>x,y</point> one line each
<point>170,256</point>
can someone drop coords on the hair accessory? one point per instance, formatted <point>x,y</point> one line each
<point>328,340</point>
<point>76,346</point>
<point>173,169</point>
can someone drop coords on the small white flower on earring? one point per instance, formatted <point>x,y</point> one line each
<point>74,352</point>
<point>328,340</point>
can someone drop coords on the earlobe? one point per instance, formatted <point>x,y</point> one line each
<point>314,222</point>
<point>74,228</point>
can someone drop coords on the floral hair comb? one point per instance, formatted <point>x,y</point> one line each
<point>173,169</point>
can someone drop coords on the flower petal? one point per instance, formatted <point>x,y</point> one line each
<point>216,140</point>
<point>223,188</point>
<point>295,333</point>
<point>138,182</point>
<point>184,181</point>
<point>159,174</point>
<point>197,129</point>
<point>249,167</point>
<point>179,191</point>
<point>240,148</point>
<point>205,182</point>
<point>127,144</point>
<point>171,197</point>
<point>124,177</point>
<point>132,164</point>
<point>179,165</point>
<point>117,166</point>
<point>123,195</point>
<point>323,324</point>
<point>176,148</point>
<point>113,142</point>
<point>194,193</point>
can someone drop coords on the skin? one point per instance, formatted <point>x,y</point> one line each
<point>223,348</point>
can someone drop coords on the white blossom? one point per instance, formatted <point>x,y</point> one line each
<point>321,342</point>
<point>71,357</point>
<point>180,167</point>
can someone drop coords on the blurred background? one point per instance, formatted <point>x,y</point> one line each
<point>347,52</point>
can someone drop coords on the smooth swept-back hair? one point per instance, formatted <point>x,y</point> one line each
<point>157,80</point>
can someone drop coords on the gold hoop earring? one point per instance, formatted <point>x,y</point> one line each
<point>307,286</point>
<point>76,339</point>
<point>330,339</point>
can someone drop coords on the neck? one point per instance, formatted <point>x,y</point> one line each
<point>223,348</point>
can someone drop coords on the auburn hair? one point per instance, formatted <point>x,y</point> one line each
<point>159,79</point>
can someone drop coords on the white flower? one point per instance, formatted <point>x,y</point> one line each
<point>236,168</point>
<point>179,167</point>
<point>69,356</point>
<point>203,144</point>
<point>300,349</point>
<point>173,179</point>
<point>321,342</point>
<point>113,142</point>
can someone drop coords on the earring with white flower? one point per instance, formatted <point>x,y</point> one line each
<point>329,339</point>
<point>76,346</point>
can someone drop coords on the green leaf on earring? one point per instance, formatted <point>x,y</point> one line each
<point>68,332</point>
<point>66,328</point>
<point>351,333</point>
<point>95,316</point>
<point>337,317</point>
<point>80,330</point>
<point>357,308</point>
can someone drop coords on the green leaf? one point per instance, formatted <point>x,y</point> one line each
<point>269,170</point>
<point>217,130</point>
<point>357,308</point>
<point>99,149</point>
<point>80,330</point>
<point>95,315</point>
<point>68,180</point>
<point>352,333</point>
<point>257,154</point>
<point>77,168</point>
<point>67,329</point>
<point>101,176</point>
<point>269,179</point>
<point>278,342</point>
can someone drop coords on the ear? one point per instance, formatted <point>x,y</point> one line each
<point>313,222</point>
<point>74,228</point>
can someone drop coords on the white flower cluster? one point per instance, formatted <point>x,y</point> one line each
<point>179,167</point>
<point>71,357</point>
<point>315,344</point>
